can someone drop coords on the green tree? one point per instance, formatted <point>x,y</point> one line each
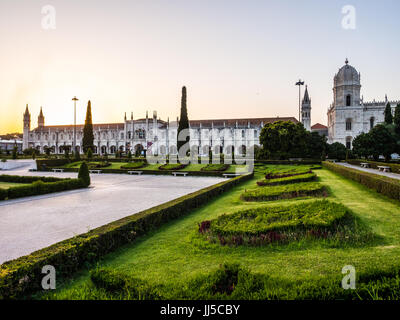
<point>315,145</point>
<point>129,155</point>
<point>337,151</point>
<point>183,120</point>
<point>15,153</point>
<point>66,153</point>
<point>283,140</point>
<point>383,142</point>
<point>77,156</point>
<point>396,120</point>
<point>84,174</point>
<point>88,136</point>
<point>89,153</point>
<point>363,145</point>
<point>388,114</point>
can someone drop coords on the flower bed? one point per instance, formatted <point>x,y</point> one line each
<point>134,165</point>
<point>264,225</point>
<point>288,180</point>
<point>284,192</point>
<point>215,167</point>
<point>172,166</point>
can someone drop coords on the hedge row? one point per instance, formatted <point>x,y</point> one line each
<point>288,180</point>
<point>22,276</point>
<point>304,161</point>
<point>40,187</point>
<point>46,163</point>
<point>374,164</point>
<point>27,179</point>
<point>152,172</point>
<point>382,184</point>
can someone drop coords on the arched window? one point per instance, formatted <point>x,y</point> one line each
<point>348,100</point>
<point>348,124</point>
<point>348,143</point>
<point>371,122</point>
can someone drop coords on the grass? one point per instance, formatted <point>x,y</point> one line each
<point>177,253</point>
<point>7,185</point>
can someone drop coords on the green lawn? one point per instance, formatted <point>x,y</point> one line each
<point>176,252</point>
<point>6,185</point>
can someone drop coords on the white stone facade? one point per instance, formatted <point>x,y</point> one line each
<point>349,115</point>
<point>152,135</point>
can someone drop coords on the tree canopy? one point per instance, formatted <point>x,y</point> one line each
<point>88,136</point>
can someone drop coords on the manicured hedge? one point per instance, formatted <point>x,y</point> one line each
<point>288,180</point>
<point>27,179</point>
<point>38,187</point>
<point>47,163</point>
<point>284,192</point>
<point>22,276</point>
<point>382,184</point>
<point>215,167</point>
<point>374,164</point>
<point>304,161</point>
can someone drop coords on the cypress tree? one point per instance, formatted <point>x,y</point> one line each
<point>84,174</point>
<point>88,136</point>
<point>396,119</point>
<point>183,120</point>
<point>388,114</point>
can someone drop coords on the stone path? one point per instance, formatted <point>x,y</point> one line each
<point>375,171</point>
<point>29,224</point>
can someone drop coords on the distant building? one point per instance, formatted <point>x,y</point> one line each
<point>8,145</point>
<point>320,128</point>
<point>151,134</point>
<point>349,115</point>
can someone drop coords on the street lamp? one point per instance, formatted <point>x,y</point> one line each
<point>74,99</point>
<point>299,83</point>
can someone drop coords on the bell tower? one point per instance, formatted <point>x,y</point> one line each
<point>41,118</point>
<point>27,128</point>
<point>306,111</point>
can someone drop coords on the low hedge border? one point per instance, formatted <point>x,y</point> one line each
<point>151,172</point>
<point>22,276</point>
<point>39,187</point>
<point>374,164</point>
<point>305,161</point>
<point>288,180</point>
<point>28,179</point>
<point>382,184</point>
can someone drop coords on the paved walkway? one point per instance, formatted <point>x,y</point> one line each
<point>29,224</point>
<point>375,171</point>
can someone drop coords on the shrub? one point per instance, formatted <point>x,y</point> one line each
<point>296,178</point>
<point>89,154</point>
<point>172,166</point>
<point>382,184</point>
<point>134,165</point>
<point>215,167</point>
<point>84,174</point>
<point>284,192</point>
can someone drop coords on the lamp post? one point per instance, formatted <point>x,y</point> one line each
<point>299,83</point>
<point>74,99</point>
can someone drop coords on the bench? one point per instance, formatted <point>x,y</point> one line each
<point>95,171</point>
<point>384,169</point>
<point>180,174</point>
<point>227,175</point>
<point>365,165</point>
<point>135,172</point>
<point>58,170</point>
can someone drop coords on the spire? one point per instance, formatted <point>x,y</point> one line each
<point>41,118</point>
<point>131,115</point>
<point>26,110</point>
<point>306,98</point>
<point>347,61</point>
<point>41,113</point>
<point>125,116</point>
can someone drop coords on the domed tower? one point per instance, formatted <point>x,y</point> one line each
<point>345,115</point>
<point>346,87</point>
<point>27,128</point>
<point>41,118</point>
<point>306,111</point>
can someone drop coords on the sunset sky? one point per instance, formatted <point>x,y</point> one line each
<point>237,58</point>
